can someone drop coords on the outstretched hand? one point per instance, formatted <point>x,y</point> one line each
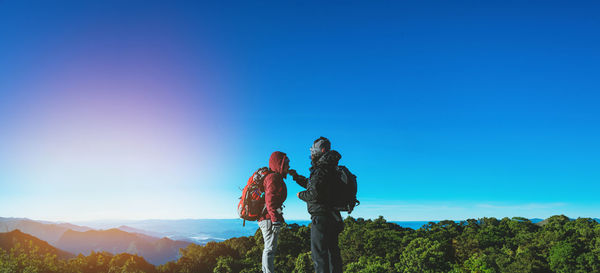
<point>292,172</point>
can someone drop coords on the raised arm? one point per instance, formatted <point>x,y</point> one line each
<point>300,179</point>
<point>317,188</point>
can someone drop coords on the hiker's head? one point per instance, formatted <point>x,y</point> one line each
<point>286,166</point>
<point>320,146</point>
<point>279,162</point>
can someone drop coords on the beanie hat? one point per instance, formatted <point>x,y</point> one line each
<point>320,146</point>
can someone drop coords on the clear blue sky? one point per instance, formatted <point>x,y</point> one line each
<point>162,109</point>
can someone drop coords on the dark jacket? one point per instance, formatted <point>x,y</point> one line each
<point>319,186</point>
<point>275,188</point>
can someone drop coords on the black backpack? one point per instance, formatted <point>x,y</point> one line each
<point>345,192</point>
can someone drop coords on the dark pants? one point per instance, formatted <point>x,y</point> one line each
<point>324,234</point>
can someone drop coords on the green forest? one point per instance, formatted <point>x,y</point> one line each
<point>557,244</point>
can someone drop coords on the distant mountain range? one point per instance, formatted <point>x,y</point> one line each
<point>47,231</point>
<point>80,239</point>
<point>158,241</point>
<point>13,238</point>
<point>199,231</point>
<point>154,250</point>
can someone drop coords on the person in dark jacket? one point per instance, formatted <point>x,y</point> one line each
<point>327,223</point>
<point>272,219</point>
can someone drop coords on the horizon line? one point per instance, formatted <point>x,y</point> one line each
<point>291,220</point>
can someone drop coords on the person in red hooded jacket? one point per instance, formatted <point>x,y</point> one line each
<point>272,219</point>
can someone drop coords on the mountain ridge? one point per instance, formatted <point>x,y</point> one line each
<point>154,250</point>
<point>49,232</point>
<point>12,239</point>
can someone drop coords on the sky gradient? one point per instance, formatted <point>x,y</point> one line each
<point>162,110</point>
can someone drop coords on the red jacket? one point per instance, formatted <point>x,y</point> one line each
<point>275,188</point>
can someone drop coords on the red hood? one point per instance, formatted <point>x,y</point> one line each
<point>276,161</point>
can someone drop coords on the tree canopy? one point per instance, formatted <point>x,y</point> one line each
<point>486,245</point>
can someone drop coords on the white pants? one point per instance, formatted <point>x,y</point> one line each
<point>270,236</point>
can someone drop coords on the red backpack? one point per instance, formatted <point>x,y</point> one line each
<point>252,203</point>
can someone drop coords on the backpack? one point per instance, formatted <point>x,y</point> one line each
<point>252,203</point>
<point>345,199</point>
